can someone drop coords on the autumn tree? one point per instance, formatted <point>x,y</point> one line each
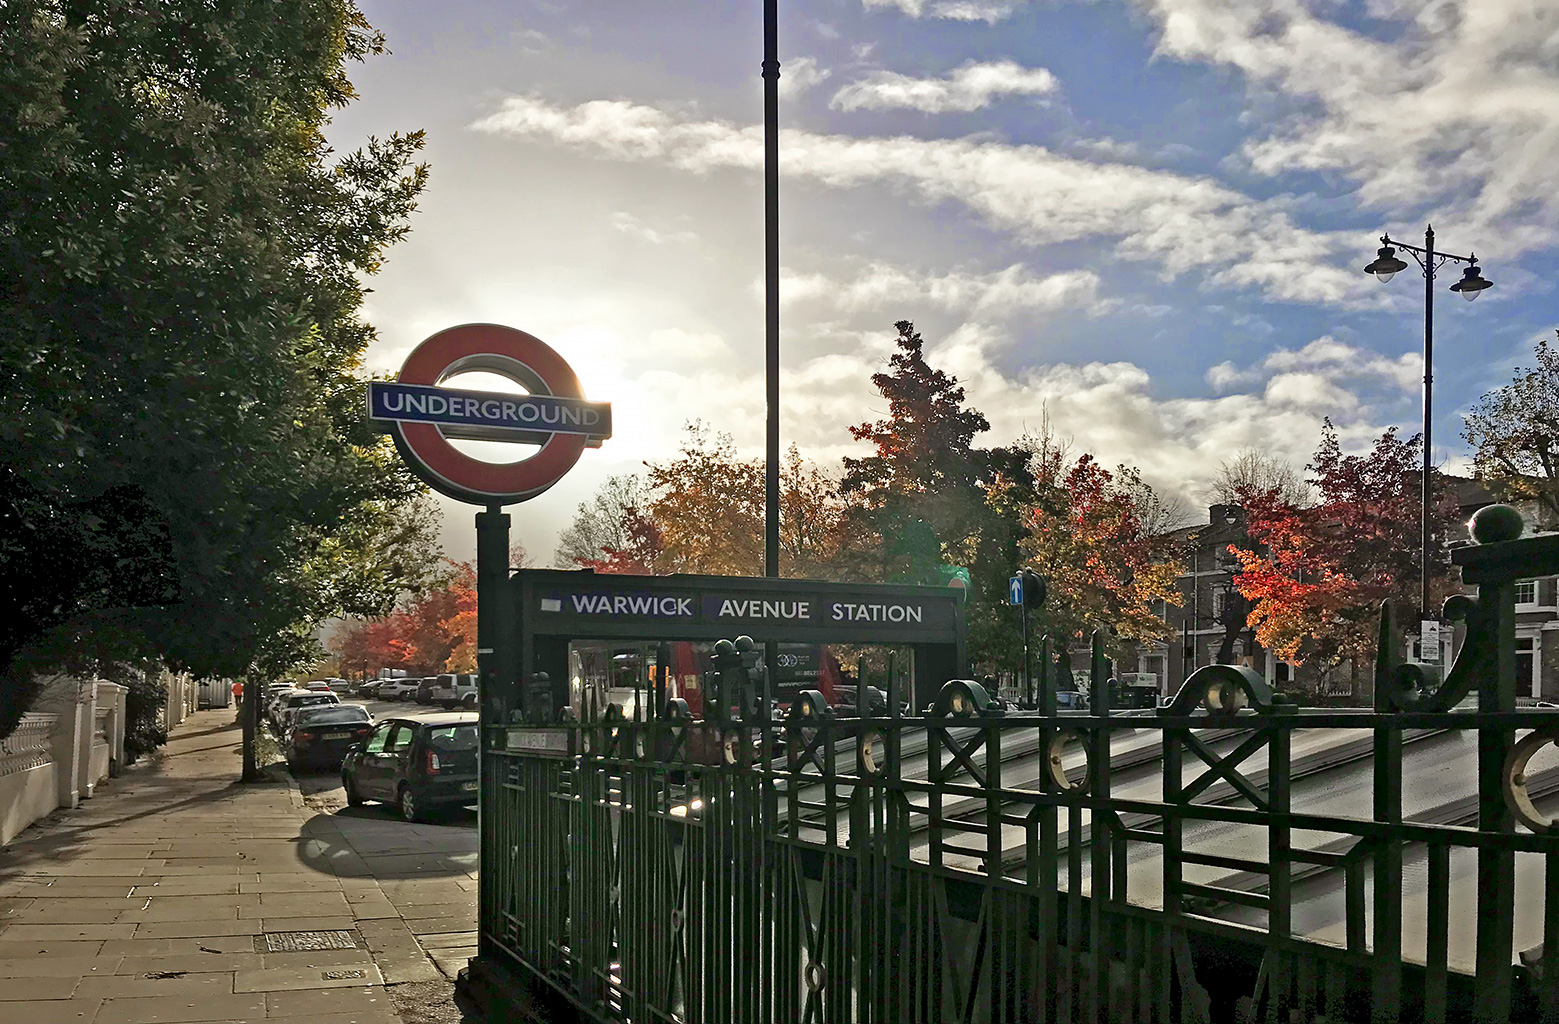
<point>1317,575</point>
<point>1104,570</point>
<point>928,496</point>
<point>702,512</point>
<point>1514,432</point>
<point>426,634</point>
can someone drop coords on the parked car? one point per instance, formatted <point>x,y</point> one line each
<point>318,685</point>
<point>455,689</point>
<point>398,689</point>
<point>370,688</point>
<point>322,735</point>
<point>303,699</point>
<point>418,763</point>
<point>424,692</point>
<point>278,701</point>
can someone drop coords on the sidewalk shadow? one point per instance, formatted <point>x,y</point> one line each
<point>388,849</point>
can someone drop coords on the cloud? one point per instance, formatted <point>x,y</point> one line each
<point>632,226</point>
<point>1004,293</point>
<point>988,11</point>
<point>1453,107</point>
<point>1316,373</point>
<point>969,87</point>
<point>800,74</point>
<point>1180,222</point>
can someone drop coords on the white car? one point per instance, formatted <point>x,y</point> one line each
<point>398,689</point>
<point>455,689</point>
<point>304,699</point>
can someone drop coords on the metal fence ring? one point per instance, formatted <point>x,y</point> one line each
<point>816,976</point>
<point>1058,742</point>
<point>1515,778</point>
<point>867,748</point>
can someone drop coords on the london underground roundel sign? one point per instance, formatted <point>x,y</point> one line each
<point>422,416</point>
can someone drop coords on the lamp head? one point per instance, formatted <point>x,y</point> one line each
<point>1472,282</point>
<point>1386,265</point>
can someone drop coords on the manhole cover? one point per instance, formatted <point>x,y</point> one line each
<point>341,975</point>
<point>305,942</point>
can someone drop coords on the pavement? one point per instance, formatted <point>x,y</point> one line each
<point>177,894</point>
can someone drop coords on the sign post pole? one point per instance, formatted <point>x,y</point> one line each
<point>492,577</point>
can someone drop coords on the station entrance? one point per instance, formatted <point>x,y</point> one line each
<point>633,642</point>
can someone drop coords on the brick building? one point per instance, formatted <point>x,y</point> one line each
<point>1211,617</point>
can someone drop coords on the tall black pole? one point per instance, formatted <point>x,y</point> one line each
<point>492,577</point>
<point>1423,522</point>
<point>771,488</point>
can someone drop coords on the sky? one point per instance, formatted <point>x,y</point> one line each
<point>1143,221</point>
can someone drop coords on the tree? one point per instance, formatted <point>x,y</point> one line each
<point>1253,471</point>
<point>1103,569</point>
<point>1514,432</point>
<point>181,282</point>
<point>926,467</point>
<point>1317,575</point>
<point>599,524</point>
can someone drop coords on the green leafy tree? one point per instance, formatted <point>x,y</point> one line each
<point>182,261</point>
<point>1514,432</point>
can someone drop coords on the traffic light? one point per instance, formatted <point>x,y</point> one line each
<point>1034,588</point>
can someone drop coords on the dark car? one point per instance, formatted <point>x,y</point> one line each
<point>321,736</point>
<point>419,763</point>
<point>424,694</point>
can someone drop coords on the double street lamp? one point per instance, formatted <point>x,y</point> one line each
<point>1385,266</point>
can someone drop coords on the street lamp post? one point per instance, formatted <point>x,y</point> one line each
<point>1385,266</point>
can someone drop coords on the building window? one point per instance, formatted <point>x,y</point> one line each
<point>1159,608</point>
<point>1526,665</point>
<point>1526,592</point>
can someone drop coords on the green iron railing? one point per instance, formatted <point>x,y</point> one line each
<point>975,863</point>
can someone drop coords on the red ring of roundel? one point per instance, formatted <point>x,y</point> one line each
<point>458,475</point>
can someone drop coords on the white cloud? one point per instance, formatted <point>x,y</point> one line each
<point>1320,369</point>
<point>969,87</point>
<point>634,227</point>
<point>1458,112</point>
<point>988,11</point>
<point>1007,292</point>
<point>1179,221</point>
<point>800,74</point>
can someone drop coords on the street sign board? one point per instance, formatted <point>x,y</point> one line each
<point>488,415</point>
<point>1015,590</point>
<point>1429,640</point>
<point>422,416</point>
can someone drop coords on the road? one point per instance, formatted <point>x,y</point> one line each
<point>322,789</point>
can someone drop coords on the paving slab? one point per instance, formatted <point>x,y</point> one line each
<point>166,982</point>
<point>193,963</point>
<point>179,1009</point>
<point>317,958</point>
<point>54,1011</point>
<point>29,990</point>
<point>59,966</point>
<point>286,979</point>
<point>41,949</point>
<point>64,932</point>
<point>308,924</point>
<point>341,1000</point>
<point>178,946</point>
<point>188,929</point>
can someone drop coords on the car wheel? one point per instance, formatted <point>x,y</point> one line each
<point>411,808</point>
<point>353,798</point>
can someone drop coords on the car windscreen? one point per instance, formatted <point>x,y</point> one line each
<point>452,737</point>
<point>349,714</point>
